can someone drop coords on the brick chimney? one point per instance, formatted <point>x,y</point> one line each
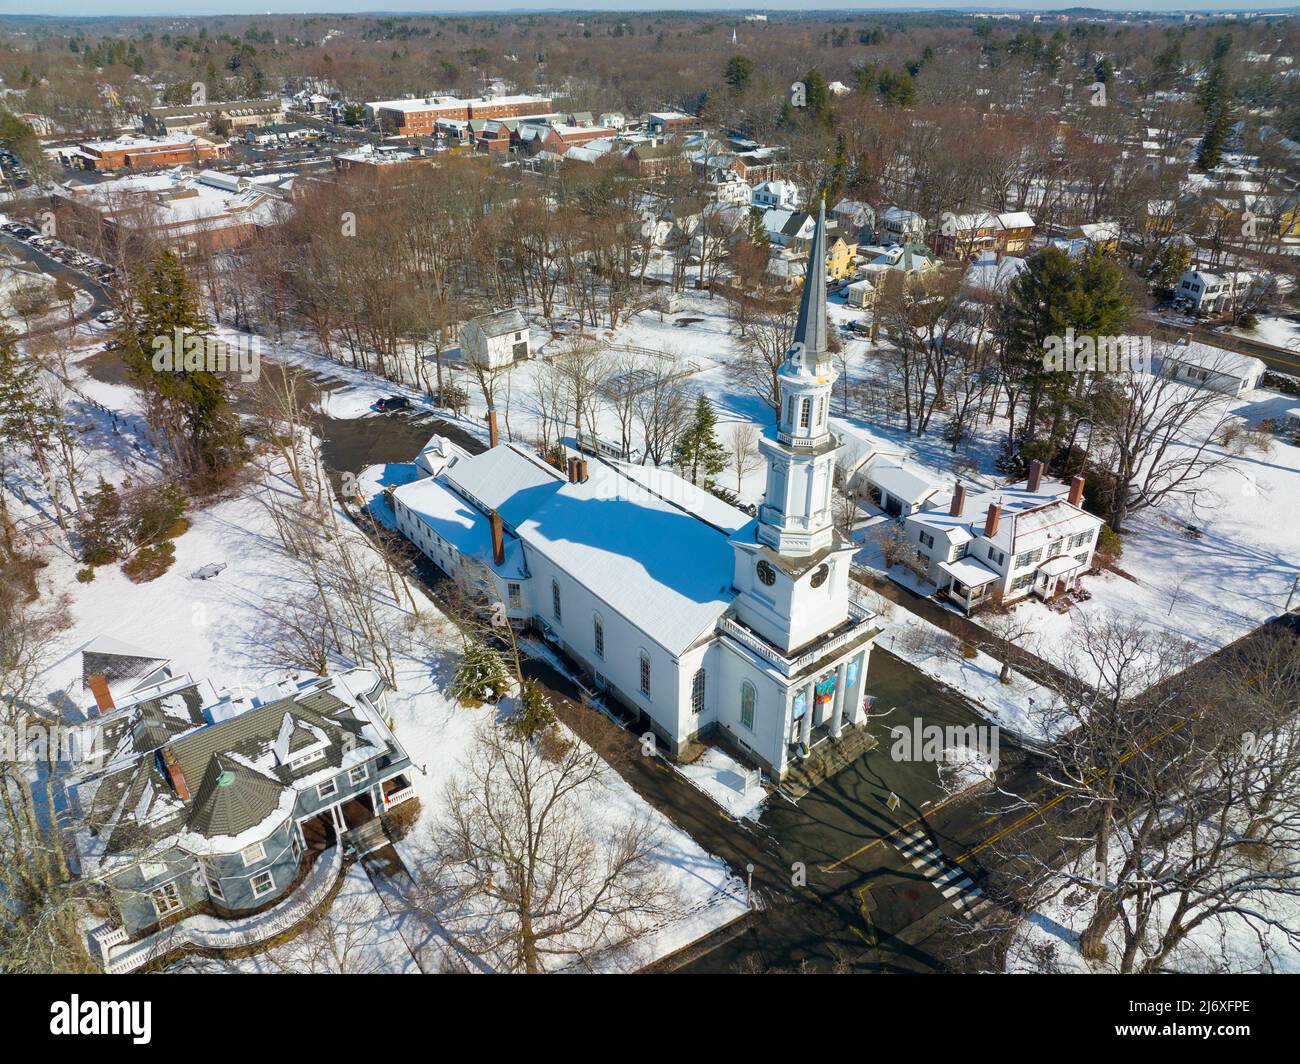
<point>492,428</point>
<point>98,684</point>
<point>582,471</point>
<point>498,539</point>
<point>177,777</point>
<point>1076,492</point>
<point>1035,474</point>
<point>991,521</point>
<point>573,469</point>
<point>958,500</point>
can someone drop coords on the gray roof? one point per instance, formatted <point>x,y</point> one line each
<point>232,799</point>
<point>501,322</point>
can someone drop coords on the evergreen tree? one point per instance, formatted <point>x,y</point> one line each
<point>480,677</point>
<point>817,94</point>
<point>699,456</point>
<point>535,714</point>
<point>101,532</point>
<point>190,408</point>
<point>739,73</point>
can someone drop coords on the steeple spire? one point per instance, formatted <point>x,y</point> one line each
<point>810,330</point>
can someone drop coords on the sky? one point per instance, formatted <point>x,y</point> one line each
<point>245,7</point>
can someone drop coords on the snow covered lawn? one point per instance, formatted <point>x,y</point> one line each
<point>727,782</point>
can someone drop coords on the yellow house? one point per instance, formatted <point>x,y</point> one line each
<point>839,260</point>
<point>1104,236</point>
<point>1288,219</point>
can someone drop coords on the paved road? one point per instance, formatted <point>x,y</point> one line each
<point>1281,359</point>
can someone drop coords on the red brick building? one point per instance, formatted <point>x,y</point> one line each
<point>419,117</point>
<point>143,153</point>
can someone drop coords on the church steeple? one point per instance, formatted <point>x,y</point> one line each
<point>810,330</point>
<point>794,574</point>
<point>795,518</point>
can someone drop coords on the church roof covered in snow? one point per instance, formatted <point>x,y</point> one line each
<point>656,563</point>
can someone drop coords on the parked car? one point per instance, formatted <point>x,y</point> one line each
<point>107,317</point>
<point>392,402</point>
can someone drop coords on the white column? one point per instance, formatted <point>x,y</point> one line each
<point>837,714</point>
<point>859,685</point>
<point>805,730</point>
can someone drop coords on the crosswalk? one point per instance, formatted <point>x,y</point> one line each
<point>923,854</point>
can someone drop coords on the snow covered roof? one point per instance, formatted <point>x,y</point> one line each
<point>969,572</point>
<point>506,479</point>
<point>501,322</point>
<point>651,560</point>
<point>1026,518</point>
<point>987,274</point>
<point>458,522</point>
<point>903,481</point>
<point>1214,359</point>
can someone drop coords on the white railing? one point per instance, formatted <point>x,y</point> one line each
<point>398,797</point>
<point>241,932</point>
<point>858,614</point>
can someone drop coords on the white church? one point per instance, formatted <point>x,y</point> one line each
<point>708,623</point>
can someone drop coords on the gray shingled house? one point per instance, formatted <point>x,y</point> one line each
<point>188,800</point>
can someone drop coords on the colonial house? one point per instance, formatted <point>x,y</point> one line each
<point>1205,366</point>
<point>1002,544</point>
<point>787,229</point>
<point>779,195</point>
<point>1209,293</point>
<point>856,221</point>
<point>495,340</point>
<point>899,226</point>
<point>190,800</point>
<point>705,623</point>
<point>910,263</point>
<point>967,235</point>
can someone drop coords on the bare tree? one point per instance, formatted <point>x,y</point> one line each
<point>742,450</point>
<point>527,876</point>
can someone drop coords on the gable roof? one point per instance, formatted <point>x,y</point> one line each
<point>654,562</point>
<point>501,322</point>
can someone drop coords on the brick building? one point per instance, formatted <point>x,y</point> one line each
<point>142,153</point>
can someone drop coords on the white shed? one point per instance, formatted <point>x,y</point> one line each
<point>495,340</point>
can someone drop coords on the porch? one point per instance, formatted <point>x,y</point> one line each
<point>1057,576</point>
<point>970,583</point>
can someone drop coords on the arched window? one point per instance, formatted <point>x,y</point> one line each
<point>697,691</point>
<point>556,612</point>
<point>747,698</point>
<point>805,412</point>
<point>645,674</point>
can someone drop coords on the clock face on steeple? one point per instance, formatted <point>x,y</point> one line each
<point>766,574</point>
<point>819,577</point>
